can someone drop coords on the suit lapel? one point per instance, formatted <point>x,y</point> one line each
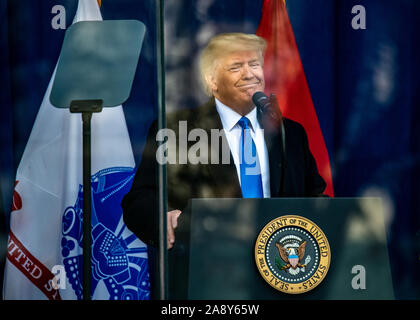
<point>223,175</point>
<point>275,162</point>
<point>274,145</point>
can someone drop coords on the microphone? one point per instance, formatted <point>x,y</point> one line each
<point>268,106</point>
<point>261,101</point>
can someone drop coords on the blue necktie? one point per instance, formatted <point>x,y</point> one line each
<point>251,182</point>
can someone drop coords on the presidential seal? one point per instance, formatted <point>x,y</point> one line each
<point>292,254</point>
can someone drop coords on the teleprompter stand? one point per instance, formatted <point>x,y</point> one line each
<point>96,69</point>
<point>86,108</point>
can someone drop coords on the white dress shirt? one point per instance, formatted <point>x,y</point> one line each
<point>233,132</point>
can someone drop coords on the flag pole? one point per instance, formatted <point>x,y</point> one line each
<point>162,178</point>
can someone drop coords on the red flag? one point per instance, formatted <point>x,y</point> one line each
<point>285,77</point>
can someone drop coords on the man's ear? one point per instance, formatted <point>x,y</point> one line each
<point>212,83</point>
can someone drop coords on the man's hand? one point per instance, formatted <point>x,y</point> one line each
<point>172,223</point>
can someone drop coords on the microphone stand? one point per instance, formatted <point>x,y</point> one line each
<point>265,109</point>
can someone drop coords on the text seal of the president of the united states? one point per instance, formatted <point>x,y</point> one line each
<point>292,254</point>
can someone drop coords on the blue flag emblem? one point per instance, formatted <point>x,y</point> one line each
<point>119,258</point>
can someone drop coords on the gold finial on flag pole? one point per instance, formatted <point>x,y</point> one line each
<point>99,3</point>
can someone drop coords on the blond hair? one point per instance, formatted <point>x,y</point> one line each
<point>223,44</point>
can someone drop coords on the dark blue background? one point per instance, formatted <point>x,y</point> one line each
<point>363,83</point>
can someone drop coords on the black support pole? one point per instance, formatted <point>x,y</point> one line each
<point>162,196</point>
<point>86,108</point>
<point>87,235</point>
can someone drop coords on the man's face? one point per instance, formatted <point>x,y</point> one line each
<point>238,76</point>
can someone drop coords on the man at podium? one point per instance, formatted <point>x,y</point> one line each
<point>230,147</point>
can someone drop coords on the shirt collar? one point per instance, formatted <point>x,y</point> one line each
<point>230,118</point>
